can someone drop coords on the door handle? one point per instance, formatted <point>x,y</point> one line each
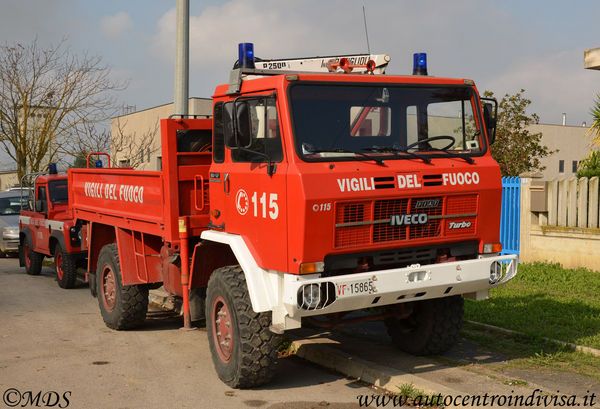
<point>226,183</point>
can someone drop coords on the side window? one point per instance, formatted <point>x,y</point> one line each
<point>41,193</point>
<point>264,129</point>
<point>218,135</point>
<point>42,198</point>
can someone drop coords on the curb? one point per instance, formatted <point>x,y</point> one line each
<point>381,376</point>
<point>580,348</point>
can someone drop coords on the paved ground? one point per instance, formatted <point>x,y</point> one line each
<point>55,340</point>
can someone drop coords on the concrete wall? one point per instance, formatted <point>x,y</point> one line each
<point>570,246</point>
<point>8,179</point>
<point>571,142</point>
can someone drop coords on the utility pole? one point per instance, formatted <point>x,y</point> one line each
<point>182,58</point>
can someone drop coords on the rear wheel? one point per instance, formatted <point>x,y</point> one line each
<point>33,259</point>
<point>244,350</point>
<point>122,307</point>
<point>66,267</point>
<point>432,328</point>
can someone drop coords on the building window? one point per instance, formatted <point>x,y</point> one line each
<point>148,154</point>
<point>575,166</point>
<point>159,163</point>
<point>124,163</point>
<point>561,166</point>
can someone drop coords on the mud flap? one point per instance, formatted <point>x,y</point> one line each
<point>21,256</point>
<point>197,304</point>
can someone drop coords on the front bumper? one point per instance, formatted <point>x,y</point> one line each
<point>377,288</point>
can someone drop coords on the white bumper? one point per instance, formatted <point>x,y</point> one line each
<point>278,292</point>
<point>470,278</point>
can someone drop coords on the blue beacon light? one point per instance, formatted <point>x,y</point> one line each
<point>246,55</point>
<point>52,168</point>
<point>98,163</point>
<point>419,64</point>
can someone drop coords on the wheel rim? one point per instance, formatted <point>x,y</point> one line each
<point>222,329</point>
<point>27,256</point>
<point>109,288</point>
<point>59,261</point>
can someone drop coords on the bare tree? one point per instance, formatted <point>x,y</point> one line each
<point>132,147</point>
<point>48,96</point>
<point>89,139</point>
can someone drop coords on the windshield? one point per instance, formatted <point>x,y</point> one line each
<point>342,122</point>
<point>58,191</point>
<point>12,205</point>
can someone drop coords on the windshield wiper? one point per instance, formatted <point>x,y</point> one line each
<point>395,151</point>
<point>454,155</point>
<point>342,150</point>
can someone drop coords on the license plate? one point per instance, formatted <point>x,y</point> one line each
<point>358,287</point>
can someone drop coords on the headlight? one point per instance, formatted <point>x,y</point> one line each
<point>495,272</point>
<point>10,231</point>
<point>310,297</point>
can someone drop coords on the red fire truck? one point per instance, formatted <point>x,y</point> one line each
<point>306,195</point>
<point>47,229</point>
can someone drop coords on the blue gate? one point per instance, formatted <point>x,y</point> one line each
<point>510,220</point>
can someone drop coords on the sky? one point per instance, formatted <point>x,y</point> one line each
<point>503,45</point>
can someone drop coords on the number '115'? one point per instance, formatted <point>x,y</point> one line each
<point>262,201</point>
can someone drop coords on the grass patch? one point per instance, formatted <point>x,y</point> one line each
<point>533,352</point>
<point>545,300</point>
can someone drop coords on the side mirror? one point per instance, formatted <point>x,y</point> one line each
<point>244,125</point>
<point>490,111</point>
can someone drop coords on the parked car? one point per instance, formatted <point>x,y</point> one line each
<point>11,202</point>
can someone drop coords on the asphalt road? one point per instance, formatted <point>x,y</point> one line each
<point>54,341</point>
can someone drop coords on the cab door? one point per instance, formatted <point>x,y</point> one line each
<point>253,177</point>
<point>41,235</point>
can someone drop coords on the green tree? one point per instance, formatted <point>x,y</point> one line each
<point>516,149</point>
<point>595,128</point>
<point>590,166</point>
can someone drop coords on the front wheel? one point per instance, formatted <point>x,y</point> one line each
<point>432,328</point>
<point>121,306</point>
<point>244,350</point>
<point>66,267</point>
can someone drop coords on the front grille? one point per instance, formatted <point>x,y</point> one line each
<point>368,222</point>
<point>384,209</point>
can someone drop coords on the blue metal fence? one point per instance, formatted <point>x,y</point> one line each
<point>510,220</point>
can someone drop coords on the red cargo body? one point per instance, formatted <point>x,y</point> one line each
<point>140,210</point>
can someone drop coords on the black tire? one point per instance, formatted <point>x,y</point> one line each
<point>122,307</point>
<point>33,259</point>
<point>432,328</point>
<point>250,359</point>
<point>65,266</point>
